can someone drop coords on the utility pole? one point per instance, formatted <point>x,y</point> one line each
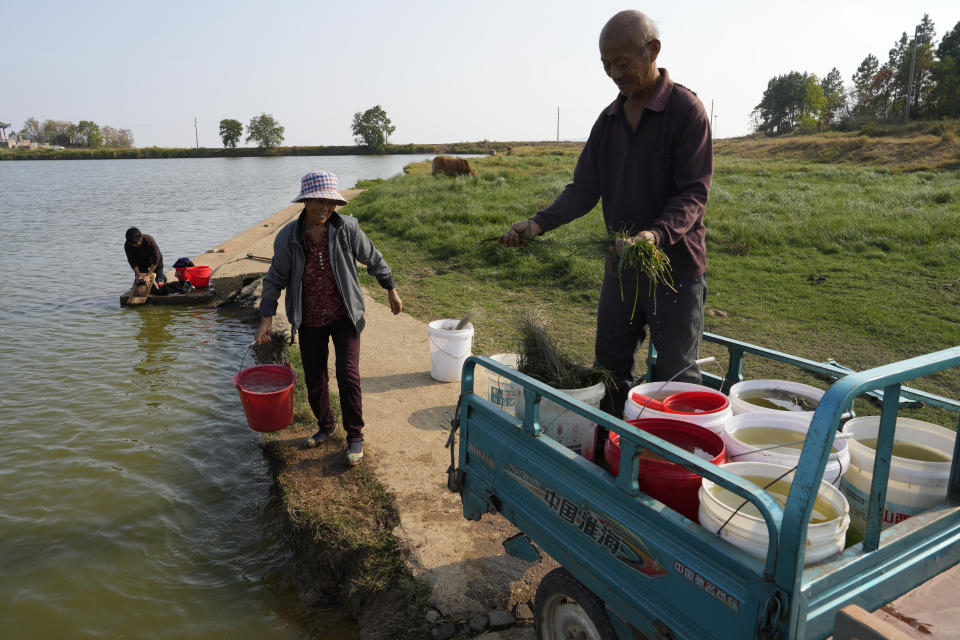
<point>913,62</point>
<point>558,124</point>
<point>195,134</point>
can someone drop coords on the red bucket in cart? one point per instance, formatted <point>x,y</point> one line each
<point>666,481</point>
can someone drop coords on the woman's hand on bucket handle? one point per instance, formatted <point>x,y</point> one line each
<point>264,330</point>
<point>396,305</point>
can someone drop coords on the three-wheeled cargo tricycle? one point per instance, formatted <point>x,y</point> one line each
<point>634,568</point>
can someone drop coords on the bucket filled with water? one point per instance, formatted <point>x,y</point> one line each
<point>778,438</point>
<point>774,396</point>
<point>685,401</point>
<point>266,393</point>
<point>919,469</point>
<point>668,482</point>
<point>726,513</point>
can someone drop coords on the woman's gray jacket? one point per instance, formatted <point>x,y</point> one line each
<point>347,246</point>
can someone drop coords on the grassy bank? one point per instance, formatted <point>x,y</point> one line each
<point>341,522</point>
<point>824,261</point>
<point>919,146</point>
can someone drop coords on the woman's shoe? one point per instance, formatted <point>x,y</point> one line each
<point>317,439</point>
<point>354,453</point>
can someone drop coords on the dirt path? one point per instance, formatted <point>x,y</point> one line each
<point>462,562</point>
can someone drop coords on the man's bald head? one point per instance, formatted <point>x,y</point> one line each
<point>630,26</point>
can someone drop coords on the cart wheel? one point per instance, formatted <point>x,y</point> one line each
<point>564,609</point>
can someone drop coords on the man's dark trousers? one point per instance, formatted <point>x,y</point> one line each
<point>676,327</point>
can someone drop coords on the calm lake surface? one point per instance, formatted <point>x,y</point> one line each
<point>135,500</point>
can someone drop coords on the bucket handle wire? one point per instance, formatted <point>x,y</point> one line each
<point>700,361</point>
<point>282,360</point>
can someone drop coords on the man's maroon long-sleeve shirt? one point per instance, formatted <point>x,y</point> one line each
<point>146,255</point>
<point>656,178</point>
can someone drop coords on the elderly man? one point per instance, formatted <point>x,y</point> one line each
<point>649,158</point>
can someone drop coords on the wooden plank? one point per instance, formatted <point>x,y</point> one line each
<point>140,292</point>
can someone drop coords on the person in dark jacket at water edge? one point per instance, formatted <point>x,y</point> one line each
<point>315,259</point>
<point>144,255</point>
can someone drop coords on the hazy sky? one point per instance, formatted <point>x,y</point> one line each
<point>457,70</point>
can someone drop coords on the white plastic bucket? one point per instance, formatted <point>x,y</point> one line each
<point>497,389</point>
<point>570,429</point>
<point>795,425</point>
<point>449,347</point>
<point>912,486</point>
<point>785,387</point>
<point>747,530</point>
<point>662,390</point>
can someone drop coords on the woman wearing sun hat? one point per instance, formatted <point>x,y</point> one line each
<point>315,259</point>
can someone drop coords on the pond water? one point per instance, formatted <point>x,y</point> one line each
<point>136,501</point>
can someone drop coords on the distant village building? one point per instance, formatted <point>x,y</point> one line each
<point>7,143</point>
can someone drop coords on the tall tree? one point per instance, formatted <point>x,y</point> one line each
<point>862,83</point>
<point>836,97</point>
<point>118,138</point>
<point>898,62</point>
<point>810,116</point>
<point>125,138</point>
<point>31,130</point>
<point>945,96</point>
<point>372,128</point>
<point>265,131</point>
<point>58,132</point>
<point>792,101</point>
<point>230,132</point>
<point>89,134</point>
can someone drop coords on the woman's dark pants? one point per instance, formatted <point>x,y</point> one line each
<point>314,348</point>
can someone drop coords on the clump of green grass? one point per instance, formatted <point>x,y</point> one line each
<point>542,357</point>
<point>642,257</point>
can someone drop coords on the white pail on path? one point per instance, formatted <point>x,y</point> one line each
<point>762,430</point>
<point>913,485</point>
<point>570,429</point>
<point>826,532</point>
<point>661,391</point>
<point>449,347</point>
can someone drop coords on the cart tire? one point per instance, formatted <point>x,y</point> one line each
<point>564,608</point>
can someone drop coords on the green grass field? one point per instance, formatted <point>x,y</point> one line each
<point>854,263</point>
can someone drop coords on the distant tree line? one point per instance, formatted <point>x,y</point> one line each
<point>371,128</point>
<point>84,134</point>
<point>879,93</point>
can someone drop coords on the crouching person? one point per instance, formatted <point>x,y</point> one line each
<point>314,259</point>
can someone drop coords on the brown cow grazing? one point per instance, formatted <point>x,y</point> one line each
<point>452,167</point>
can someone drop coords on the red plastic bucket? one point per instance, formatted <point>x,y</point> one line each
<point>198,276</point>
<point>266,392</point>
<point>693,402</point>
<point>671,484</point>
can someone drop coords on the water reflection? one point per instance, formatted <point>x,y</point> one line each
<point>153,338</point>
